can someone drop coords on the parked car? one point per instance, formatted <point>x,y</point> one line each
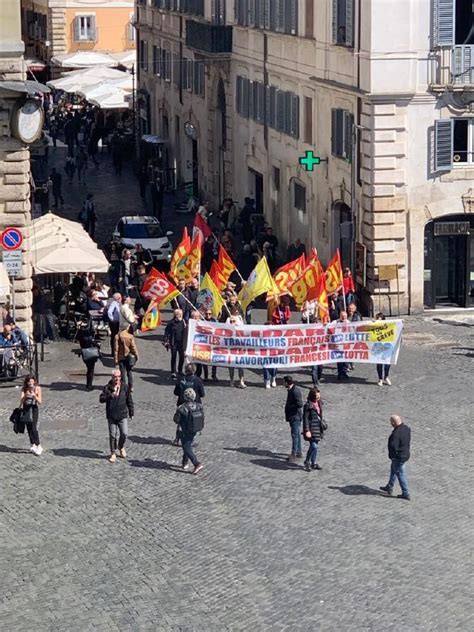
<point>147,231</point>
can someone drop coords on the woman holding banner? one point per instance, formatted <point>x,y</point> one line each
<point>236,319</point>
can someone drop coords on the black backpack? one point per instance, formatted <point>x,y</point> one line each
<point>196,421</point>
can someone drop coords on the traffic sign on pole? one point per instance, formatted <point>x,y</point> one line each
<point>12,238</point>
<point>13,262</point>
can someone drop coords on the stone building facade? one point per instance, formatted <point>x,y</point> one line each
<point>382,92</point>
<point>14,157</point>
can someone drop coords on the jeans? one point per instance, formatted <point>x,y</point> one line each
<point>177,353</point>
<point>90,364</point>
<point>32,427</point>
<point>383,370</point>
<point>116,427</point>
<point>187,444</point>
<point>295,428</point>
<point>114,327</point>
<point>312,452</point>
<point>269,375</point>
<point>126,372</point>
<point>232,374</point>
<point>397,470</point>
<point>316,373</point>
<point>342,369</point>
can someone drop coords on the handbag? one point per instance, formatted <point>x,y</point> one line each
<point>131,360</point>
<point>90,353</point>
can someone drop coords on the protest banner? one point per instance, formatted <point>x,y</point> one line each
<point>291,346</point>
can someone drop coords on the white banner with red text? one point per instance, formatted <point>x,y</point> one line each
<point>290,346</point>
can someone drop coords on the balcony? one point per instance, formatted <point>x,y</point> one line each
<point>452,67</point>
<point>208,38</point>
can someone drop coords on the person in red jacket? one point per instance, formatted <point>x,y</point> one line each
<point>348,285</point>
<point>281,314</point>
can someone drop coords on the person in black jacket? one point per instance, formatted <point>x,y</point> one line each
<point>398,453</point>
<point>293,415</point>
<point>87,340</point>
<point>174,340</point>
<point>118,406</point>
<point>185,418</point>
<point>190,380</point>
<point>313,428</point>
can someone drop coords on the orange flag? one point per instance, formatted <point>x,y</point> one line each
<point>312,257</point>
<point>193,260</point>
<point>218,277</point>
<point>334,279</point>
<point>179,256</point>
<point>323,302</point>
<point>286,275</point>
<point>306,286</point>
<point>225,263</point>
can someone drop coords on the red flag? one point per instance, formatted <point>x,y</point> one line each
<point>306,286</point>
<point>218,277</point>
<point>334,280</point>
<point>179,255</point>
<point>312,257</point>
<point>225,262</point>
<point>287,274</point>
<point>158,289</point>
<point>202,227</point>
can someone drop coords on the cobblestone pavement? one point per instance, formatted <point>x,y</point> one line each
<point>251,543</point>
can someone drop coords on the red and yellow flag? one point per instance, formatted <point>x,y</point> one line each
<point>193,260</point>
<point>286,275</point>
<point>334,279</point>
<point>158,288</point>
<point>225,263</point>
<point>306,286</point>
<point>179,256</point>
<point>323,303</point>
<point>218,277</point>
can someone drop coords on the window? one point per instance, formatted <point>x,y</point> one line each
<point>176,71</point>
<point>299,196</point>
<point>271,15</point>
<point>84,28</point>
<point>452,22</point>
<point>166,64</point>
<point>309,22</point>
<point>196,7</point>
<point>343,22</point>
<point>143,54</point>
<point>454,143</point>
<point>157,61</point>
<point>198,78</point>
<point>131,33</point>
<point>187,74</point>
<point>282,108</point>
<point>276,178</point>
<point>218,11</point>
<point>308,120</point>
<point>342,123</point>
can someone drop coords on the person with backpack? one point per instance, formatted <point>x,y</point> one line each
<point>313,428</point>
<point>189,418</point>
<point>192,381</point>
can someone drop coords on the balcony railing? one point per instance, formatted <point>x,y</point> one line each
<point>208,38</point>
<point>453,66</point>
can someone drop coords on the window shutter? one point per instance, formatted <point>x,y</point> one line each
<point>267,9</point>
<point>348,124</point>
<point>349,22</point>
<point>443,144</point>
<point>214,12</point>
<point>93,29</point>
<point>293,16</point>
<point>280,110</point>
<point>261,102</point>
<point>176,70</point>
<point>238,95</point>
<point>251,13</point>
<point>444,22</point>
<point>295,115</point>
<point>288,112</point>
<point>245,97</point>
<point>280,15</point>
<point>271,106</point>
<point>77,27</point>
<point>334,22</point>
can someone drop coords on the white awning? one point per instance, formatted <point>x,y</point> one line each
<point>113,100</point>
<point>83,59</point>
<point>85,78</point>
<point>70,259</point>
<point>128,58</point>
<point>107,86</point>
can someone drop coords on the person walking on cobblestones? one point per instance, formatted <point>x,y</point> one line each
<point>313,428</point>
<point>118,406</point>
<point>189,418</point>
<point>113,318</point>
<point>126,355</point>
<point>30,398</point>
<point>293,415</point>
<point>398,453</point>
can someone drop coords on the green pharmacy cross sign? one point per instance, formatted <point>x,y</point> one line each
<point>309,160</point>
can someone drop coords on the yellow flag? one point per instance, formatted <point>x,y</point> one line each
<point>209,296</point>
<point>259,282</point>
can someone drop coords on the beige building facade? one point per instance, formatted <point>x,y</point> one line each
<point>14,156</point>
<point>381,92</point>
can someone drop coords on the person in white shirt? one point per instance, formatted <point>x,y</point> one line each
<point>127,315</point>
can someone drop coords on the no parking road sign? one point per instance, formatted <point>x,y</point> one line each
<point>12,238</point>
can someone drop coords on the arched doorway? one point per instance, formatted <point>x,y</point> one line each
<point>342,222</point>
<point>448,274</point>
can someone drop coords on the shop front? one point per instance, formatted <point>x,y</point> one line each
<point>449,262</point>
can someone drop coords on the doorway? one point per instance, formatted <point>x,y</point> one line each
<point>256,189</point>
<point>449,262</point>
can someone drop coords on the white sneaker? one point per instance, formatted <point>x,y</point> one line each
<point>186,467</point>
<point>274,384</point>
<point>388,382</point>
<point>33,449</point>
<point>380,383</point>
<point>267,384</point>
<point>39,450</point>
<point>242,384</point>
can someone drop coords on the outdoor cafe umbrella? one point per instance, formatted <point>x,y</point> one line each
<point>67,259</point>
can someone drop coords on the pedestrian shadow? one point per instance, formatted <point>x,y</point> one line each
<point>276,464</point>
<point>150,440</point>
<point>257,452</point>
<point>453,323</point>
<point>469,352</point>
<point>6,448</point>
<point>65,386</point>
<point>79,453</point>
<point>357,490</point>
<point>153,465</point>
<point>352,379</point>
